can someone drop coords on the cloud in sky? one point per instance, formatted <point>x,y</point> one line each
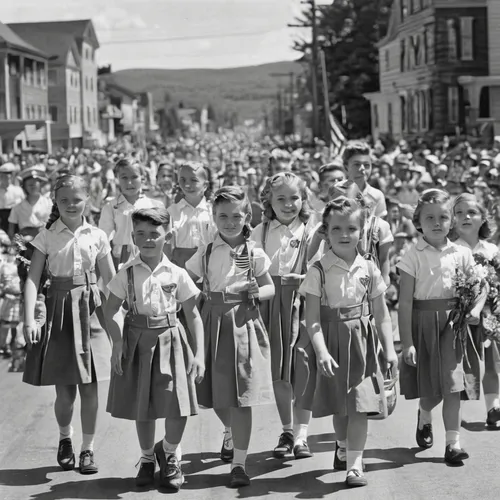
<point>139,33</point>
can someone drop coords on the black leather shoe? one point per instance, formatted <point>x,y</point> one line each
<point>66,454</point>
<point>338,464</point>
<point>493,419</point>
<point>454,456</point>
<point>87,463</point>
<point>171,476</point>
<point>285,445</point>
<point>424,436</point>
<point>301,450</point>
<point>226,454</point>
<point>146,474</point>
<point>355,479</point>
<point>239,478</point>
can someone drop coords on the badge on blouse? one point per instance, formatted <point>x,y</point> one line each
<point>169,288</point>
<point>365,281</point>
<point>295,243</point>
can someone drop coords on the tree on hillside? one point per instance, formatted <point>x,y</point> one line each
<point>348,32</point>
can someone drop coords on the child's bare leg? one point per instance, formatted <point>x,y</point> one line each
<point>4,332</point>
<point>63,408</point>
<point>340,428</point>
<point>426,407</point>
<point>491,387</point>
<point>241,426</point>
<point>174,430</point>
<point>88,413</point>
<point>283,395</point>
<point>146,436</point>
<point>357,432</point>
<point>224,415</point>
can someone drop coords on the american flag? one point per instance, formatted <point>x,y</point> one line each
<point>337,136</point>
<point>242,259</point>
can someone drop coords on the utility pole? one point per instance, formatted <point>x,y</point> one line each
<point>314,62</point>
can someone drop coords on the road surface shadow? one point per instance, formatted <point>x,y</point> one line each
<point>91,489</point>
<point>321,443</point>
<point>27,477</point>
<point>475,426</point>
<point>394,458</point>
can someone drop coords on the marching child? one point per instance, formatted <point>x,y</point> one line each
<point>154,367</point>
<point>238,367</point>
<point>284,236</point>
<point>434,368</point>
<point>191,216</point>
<point>473,228</point>
<point>342,291</point>
<point>61,353</point>
<point>116,220</point>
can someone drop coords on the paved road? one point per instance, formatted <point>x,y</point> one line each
<point>395,468</point>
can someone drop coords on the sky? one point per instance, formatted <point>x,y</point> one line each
<point>206,33</point>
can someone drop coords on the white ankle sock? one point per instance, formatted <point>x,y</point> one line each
<point>87,442</point>
<point>148,455</point>
<point>300,433</point>
<point>239,459</point>
<point>453,439</point>
<point>354,460</point>
<point>425,418</point>
<point>172,449</point>
<point>65,432</point>
<point>228,438</point>
<point>492,401</point>
<point>341,451</point>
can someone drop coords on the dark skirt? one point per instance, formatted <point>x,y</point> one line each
<point>154,383</point>
<point>237,357</point>
<point>358,384</point>
<point>492,358</point>
<point>181,255</point>
<point>281,316</point>
<point>441,366</point>
<point>63,355</point>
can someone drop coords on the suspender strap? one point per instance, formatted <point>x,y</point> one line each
<point>301,255</point>
<point>131,290</point>
<point>206,260</point>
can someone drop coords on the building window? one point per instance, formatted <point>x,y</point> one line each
<point>375,116</point>
<point>95,116</point>
<point>423,110</point>
<point>402,55</point>
<point>453,104</point>
<point>86,83</point>
<point>484,103</point>
<point>404,9</point>
<point>28,113</point>
<point>387,60</point>
<point>91,83</point>
<point>33,112</point>
<point>40,116</point>
<point>466,38</point>
<point>52,77</point>
<point>415,42</point>
<point>389,118</point>
<point>28,72</point>
<point>43,79</point>
<point>53,113</point>
<point>402,103</point>
<point>89,117</point>
<point>430,109</point>
<point>452,39</point>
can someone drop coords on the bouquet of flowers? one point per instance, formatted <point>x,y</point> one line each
<point>468,285</point>
<point>491,311</point>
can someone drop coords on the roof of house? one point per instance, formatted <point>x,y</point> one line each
<point>10,38</point>
<point>75,28</point>
<point>55,45</point>
<point>394,23</point>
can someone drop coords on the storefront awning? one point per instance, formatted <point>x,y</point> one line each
<point>10,128</point>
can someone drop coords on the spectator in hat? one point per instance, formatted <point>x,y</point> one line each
<point>10,195</point>
<point>32,213</point>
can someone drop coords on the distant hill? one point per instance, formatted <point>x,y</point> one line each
<point>244,90</point>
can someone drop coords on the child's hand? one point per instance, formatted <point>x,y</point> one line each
<point>391,358</point>
<point>197,369</point>
<point>327,365</point>
<point>116,358</point>
<point>253,289</point>
<point>31,333</point>
<point>410,356</point>
<point>473,317</point>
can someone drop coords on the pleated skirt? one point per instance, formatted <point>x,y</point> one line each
<point>237,355</point>
<point>63,355</point>
<point>358,384</point>
<point>154,383</point>
<point>442,368</point>
<point>282,315</point>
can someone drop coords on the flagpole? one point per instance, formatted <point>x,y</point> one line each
<point>326,98</point>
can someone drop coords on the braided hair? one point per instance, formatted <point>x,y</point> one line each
<point>70,181</point>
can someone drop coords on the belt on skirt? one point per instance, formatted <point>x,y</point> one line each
<point>287,281</point>
<point>435,304</point>
<point>217,298</point>
<point>151,322</point>
<point>347,313</point>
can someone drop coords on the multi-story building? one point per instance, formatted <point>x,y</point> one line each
<point>72,47</point>
<point>23,92</point>
<point>431,45</point>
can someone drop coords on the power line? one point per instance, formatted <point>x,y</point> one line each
<point>186,38</point>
